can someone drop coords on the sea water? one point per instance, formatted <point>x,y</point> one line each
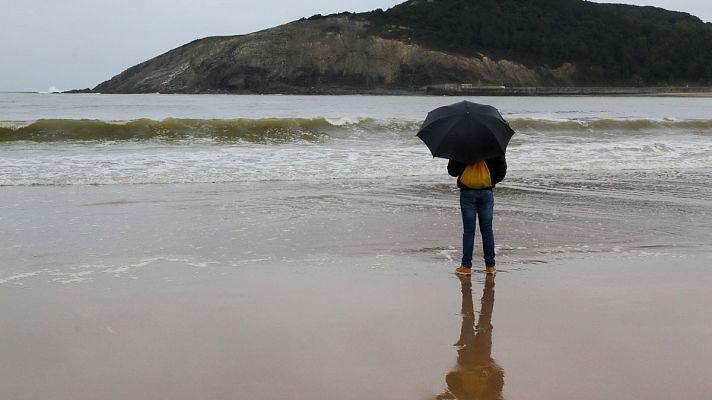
<point>97,139</point>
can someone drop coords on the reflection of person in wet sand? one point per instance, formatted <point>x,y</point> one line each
<point>477,375</point>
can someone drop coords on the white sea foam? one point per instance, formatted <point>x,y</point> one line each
<point>50,90</point>
<point>343,121</point>
<point>18,277</point>
<point>87,272</point>
<point>358,157</point>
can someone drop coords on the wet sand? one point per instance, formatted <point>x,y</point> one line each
<point>345,291</point>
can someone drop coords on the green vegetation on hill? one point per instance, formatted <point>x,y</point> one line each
<point>611,43</point>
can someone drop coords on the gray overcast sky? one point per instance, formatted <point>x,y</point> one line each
<point>70,44</point>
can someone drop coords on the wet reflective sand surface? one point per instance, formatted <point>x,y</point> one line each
<point>346,291</point>
<point>477,375</point>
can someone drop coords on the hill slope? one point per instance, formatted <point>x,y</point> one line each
<point>423,42</point>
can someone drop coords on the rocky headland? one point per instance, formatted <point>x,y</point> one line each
<point>330,55</point>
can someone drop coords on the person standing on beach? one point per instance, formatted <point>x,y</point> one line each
<point>476,182</point>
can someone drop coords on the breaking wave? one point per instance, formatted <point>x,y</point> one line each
<point>250,130</point>
<point>610,125</point>
<point>145,151</point>
<point>282,130</point>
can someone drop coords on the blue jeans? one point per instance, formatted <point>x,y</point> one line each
<point>480,204</point>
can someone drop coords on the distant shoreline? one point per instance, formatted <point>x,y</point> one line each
<point>455,90</point>
<point>470,90</point>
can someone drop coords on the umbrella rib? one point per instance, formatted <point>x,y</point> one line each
<point>440,118</point>
<point>486,120</point>
<point>441,139</point>
<point>465,120</point>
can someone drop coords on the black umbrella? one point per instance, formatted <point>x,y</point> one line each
<point>465,132</point>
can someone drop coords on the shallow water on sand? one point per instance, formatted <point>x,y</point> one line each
<point>213,290</point>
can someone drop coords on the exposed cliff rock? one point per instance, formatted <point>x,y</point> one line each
<point>336,54</point>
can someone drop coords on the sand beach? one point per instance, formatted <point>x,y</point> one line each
<point>346,291</point>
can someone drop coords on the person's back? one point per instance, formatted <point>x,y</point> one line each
<point>497,169</point>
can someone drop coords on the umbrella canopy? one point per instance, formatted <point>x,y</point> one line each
<point>466,132</point>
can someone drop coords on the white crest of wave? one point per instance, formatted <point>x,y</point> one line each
<point>51,89</point>
<point>345,121</point>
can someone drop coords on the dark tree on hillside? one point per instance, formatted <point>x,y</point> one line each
<point>610,43</point>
